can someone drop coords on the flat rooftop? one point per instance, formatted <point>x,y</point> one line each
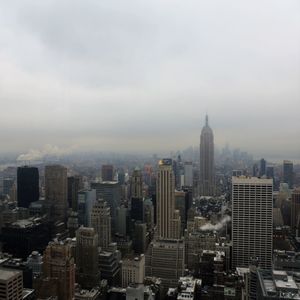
<point>6,274</point>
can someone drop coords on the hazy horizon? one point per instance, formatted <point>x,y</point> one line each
<point>132,76</point>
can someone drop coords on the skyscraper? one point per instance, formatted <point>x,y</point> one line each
<point>136,190</point>
<point>27,185</point>
<point>252,221</point>
<point>295,209</point>
<point>168,222</point>
<point>288,173</point>
<point>101,222</point>
<point>107,173</point>
<point>87,268</point>
<point>262,169</point>
<point>207,165</point>
<point>74,186</point>
<point>56,188</point>
<point>58,271</point>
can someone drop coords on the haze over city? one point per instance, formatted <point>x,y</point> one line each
<point>132,76</point>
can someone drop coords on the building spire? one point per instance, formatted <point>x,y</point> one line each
<point>206,120</point>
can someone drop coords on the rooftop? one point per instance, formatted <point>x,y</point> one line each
<point>6,274</point>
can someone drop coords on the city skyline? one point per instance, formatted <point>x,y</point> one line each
<point>129,76</point>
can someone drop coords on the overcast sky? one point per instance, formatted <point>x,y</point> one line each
<point>141,75</point>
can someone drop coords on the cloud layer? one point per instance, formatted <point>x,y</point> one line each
<point>140,76</point>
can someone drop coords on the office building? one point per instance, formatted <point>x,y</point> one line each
<point>110,267</point>
<point>295,210</point>
<point>136,191</point>
<point>288,173</point>
<point>188,174</point>
<point>107,173</point>
<point>58,272</point>
<point>35,262</point>
<point>109,191</point>
<point>86,201</point>
<point>252,221</point>
<point>101,222</point>
<point>262,169</point>
<point>207,164</point>
<point>122,220</point>
<point>270,172</point>
<point>74,186</point>
<point>56,189</point>
<point>165,260</point>
<point>133,270</point>
<point>27,185</point>
<point>11,284</point>
<point>87,268</point>
<point>168,220</point>
<point>21,237</point>
<point>7,185</point>
<point>140,235</point>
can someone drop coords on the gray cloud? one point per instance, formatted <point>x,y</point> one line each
<point>135,75</point>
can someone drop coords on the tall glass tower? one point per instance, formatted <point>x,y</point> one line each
<point>207,163</point>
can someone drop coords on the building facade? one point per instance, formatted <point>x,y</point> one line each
<point>27,185</point>
<point>295,209</point>
<point>168,220</point>
<point>101,222</point>
<point>87,267</point>
<point>133,270</point>
<point>207,164</point>
<point>252,221</point>
<point>56,189</point>
<point>58,271</point>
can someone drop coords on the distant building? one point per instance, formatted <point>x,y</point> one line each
<point>136,191</point>
<point>110,192</point>
<point>11,284</point>
<point>74,186</point>
<point>270,172</point>
<point>107,173</point>
<point>288,173</point>
<point>295,210</point>
<point>188,174</point>
<point>56,189</point>
<point>262,169</point>
<point>27,185</point>
<point>86,201</point>
<point>7,185</point>
<point>252,221</point>
<point>207,163</point>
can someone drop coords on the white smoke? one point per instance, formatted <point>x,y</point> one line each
<point>218,226</point>
<point>47,150</point>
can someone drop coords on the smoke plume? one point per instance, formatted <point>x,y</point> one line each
<point>47,150</point>
<point>216,227</point>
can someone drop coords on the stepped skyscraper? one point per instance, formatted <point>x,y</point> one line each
<point>207,164</point>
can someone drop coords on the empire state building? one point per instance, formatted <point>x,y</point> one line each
<point>207,164</point>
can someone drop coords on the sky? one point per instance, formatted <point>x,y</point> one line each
<point>139,76</point>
